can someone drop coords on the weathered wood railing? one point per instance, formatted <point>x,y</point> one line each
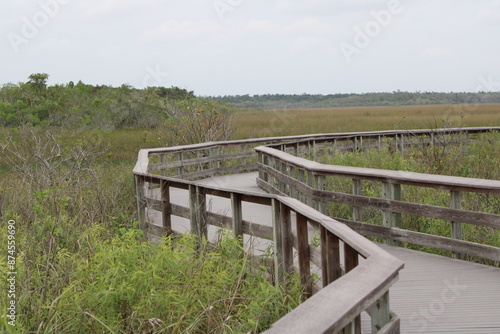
<point>356,274</point>
<point>285,174</point>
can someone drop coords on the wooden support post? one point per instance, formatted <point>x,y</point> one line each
<point>287,238</point>
<point>330,256</point>
<point>167,207</point>
<point>380,313</point>
<point>392,191</point>
<point>456,227</point>
<point>237,213</point>
<point>324,255</point>
<point>310,183</point>
<point>402,145</point>
<point>198,211</point>
<point>278,243</point>
<point>351,262</point>
<point>202,213</point>
<point>193,210</point>
<point>180,169</point>
<point>320,184</point>
<point>140,199</point>
<point>162,160</point>
<point>199,167</point>
<point>302,178</point>
<point>304,255</point>
<point>214,151</point>
<point>356,190</point>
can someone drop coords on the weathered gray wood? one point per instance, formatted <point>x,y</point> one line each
<point>180,169</point>
<point>427,240</point>
<point>325,311</point>
<point>287,238</point>
<point>140,198</point>
<point>214,152</point>
<point>400,177</point>
<point>392,327</point>
<point>200,160</point>
<point>221,170</point>
<point>330,256</point>
<point>304,254</point>
<point>391,192</point>
<point>456,227</point>
<point>356,190</point>
<point>278,242</point>
<point>237,215</point>
<point>351,262</point>
<point>167,208</point>
<point>193,210</point>
<point>398,207</point>
<point>380,313</point>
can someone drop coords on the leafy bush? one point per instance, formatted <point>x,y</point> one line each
<point>121,284</point>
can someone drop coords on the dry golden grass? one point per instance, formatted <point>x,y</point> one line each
<point>263,123</point>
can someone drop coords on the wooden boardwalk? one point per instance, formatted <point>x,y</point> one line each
<point>434,294</point>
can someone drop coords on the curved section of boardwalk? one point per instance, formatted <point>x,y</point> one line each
<point>434,294</point>
<point>361,289</point>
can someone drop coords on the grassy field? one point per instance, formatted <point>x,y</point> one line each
<point>71,215</point>
<point>264,123</point>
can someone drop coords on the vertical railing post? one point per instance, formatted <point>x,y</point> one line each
<point>320,184</point>
<point>180,169</point>
<point>380,313</point>
<point>162,160</point>
<point>356,190</point>
<point>193,210</point>
<point>278,242</point>
<point>456,227</point>
<point>198,212</point>
<point>140,199</point>
<point>330,256</point>
<point>351,262</point>
<point>304,255</point>
<point>214,151</point>
<point>237,213</point>
<point>310,183</point>
<point>202,213</point>
<point>287,238</point>
<point>302,179</point>
<point>391,219</point>
<point>167,207</point>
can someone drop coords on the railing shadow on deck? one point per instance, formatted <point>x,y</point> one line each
<point>356,274</point>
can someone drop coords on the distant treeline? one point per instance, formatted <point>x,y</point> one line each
<point>83,106</point>
<point>398,98</point>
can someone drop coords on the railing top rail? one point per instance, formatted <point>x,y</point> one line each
<point>412,178</point>
<point>144,153</point>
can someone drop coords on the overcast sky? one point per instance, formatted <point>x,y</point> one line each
<point>225,47</point>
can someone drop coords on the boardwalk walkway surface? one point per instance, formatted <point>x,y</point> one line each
<point>434,294</point>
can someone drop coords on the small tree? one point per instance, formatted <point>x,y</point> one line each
<point>196,121</point>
